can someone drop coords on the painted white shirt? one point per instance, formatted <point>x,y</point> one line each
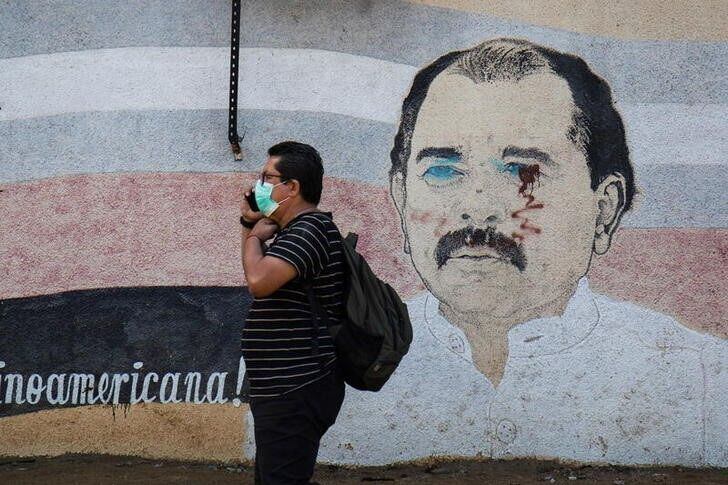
<point>607,381</point>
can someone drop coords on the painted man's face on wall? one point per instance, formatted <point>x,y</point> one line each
<point>497,204</point>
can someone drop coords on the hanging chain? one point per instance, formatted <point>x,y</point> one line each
<point>234,63</point>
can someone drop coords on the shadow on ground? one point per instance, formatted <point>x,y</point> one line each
<point>86,470</point>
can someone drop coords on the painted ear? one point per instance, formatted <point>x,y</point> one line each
<point>611,199</point>
<point>397,191</point>
<point>399,195</point>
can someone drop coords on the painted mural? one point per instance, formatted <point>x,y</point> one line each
<point>510,173</point>
<point>544,187</point>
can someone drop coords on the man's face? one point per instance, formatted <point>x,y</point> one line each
<point>497,203</point>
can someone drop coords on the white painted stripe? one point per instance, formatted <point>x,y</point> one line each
<point>175,78</point>
<point>197,78</point>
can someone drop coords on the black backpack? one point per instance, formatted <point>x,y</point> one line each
<point>375,331</point>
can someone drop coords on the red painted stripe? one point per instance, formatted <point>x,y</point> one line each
<point>148,229</point>
<point>680,272</point>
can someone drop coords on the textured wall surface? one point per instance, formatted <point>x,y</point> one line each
<point>122,296</point>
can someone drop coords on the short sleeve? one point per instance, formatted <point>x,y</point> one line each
<point>305,245</point>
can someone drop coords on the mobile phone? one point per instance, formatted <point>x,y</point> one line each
<point>251,201</point>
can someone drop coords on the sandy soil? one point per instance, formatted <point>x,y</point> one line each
<point>83,470</point>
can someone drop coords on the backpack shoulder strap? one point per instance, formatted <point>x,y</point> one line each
<point>318,313</point>
<point>351,239</point>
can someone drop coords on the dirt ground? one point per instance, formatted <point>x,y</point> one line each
<point>86,470</point>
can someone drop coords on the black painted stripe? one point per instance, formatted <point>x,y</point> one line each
<point>169,329</point>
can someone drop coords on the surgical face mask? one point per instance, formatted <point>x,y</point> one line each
<point>266,204</point>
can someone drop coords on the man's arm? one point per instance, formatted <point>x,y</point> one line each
<point>265,274</point>
<point>301,251</point>
<point>244,233</point>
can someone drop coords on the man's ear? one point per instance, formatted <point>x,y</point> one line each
<point>611,200</point>
<point>295,187</point>
<point>399,195</point>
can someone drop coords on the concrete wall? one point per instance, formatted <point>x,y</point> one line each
<point>121,276</point>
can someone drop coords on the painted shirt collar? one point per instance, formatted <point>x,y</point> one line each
<point>537,337</point>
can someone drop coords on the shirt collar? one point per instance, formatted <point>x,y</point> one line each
<point>537,337</point>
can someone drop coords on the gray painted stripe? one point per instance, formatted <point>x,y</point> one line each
<point>639,71</point>
<point>680,196</point>
<point>185,140</point>
<point>673,195</point>
<point>46,26</point>
<point>295,80</point>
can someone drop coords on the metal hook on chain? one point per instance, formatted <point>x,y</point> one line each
<point>233,137</point>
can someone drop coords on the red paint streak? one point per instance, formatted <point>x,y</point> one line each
<point>423,217</point>
<point>110,239</point>
<point>426,217</point>
<point>529,176</point>
<point>441,228</point>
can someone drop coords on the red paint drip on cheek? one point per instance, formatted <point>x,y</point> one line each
<point>441,228</point>
<point>529,176</point>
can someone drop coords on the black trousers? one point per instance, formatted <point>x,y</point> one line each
<point>288,430</point>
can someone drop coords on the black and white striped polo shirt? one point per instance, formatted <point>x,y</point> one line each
<point>278,333</point>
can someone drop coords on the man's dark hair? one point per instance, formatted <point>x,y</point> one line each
<point>303,163</point>
<point>597,128</point>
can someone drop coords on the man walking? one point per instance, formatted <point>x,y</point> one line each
<point>296,389</point>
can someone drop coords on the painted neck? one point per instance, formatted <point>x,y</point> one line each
<point>488,333</point>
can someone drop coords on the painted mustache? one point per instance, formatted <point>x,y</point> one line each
<point>507,248</point>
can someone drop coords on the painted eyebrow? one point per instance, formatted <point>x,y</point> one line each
<point>531,152</point>
<point>439,152</point>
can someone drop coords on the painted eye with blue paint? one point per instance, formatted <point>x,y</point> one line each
<point>514,168</point>
<point>442,168</point>
<point>442,174</point>
<point>511,168</point>
<point>442,165</point>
